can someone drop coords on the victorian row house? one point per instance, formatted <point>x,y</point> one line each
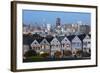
<point>51,44</point>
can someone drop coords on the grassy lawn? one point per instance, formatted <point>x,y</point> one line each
<point>40,58</point>
<point>36,58</point>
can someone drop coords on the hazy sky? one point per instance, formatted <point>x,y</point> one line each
<point>49,17</point>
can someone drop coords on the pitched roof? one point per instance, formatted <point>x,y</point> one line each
<point>82,36</point>
<point>60,38</point>
<point>44,41</point>
<point>70,37</point>
<point>65,39</point>
<point>49,38</point>
<point>35,43</point>
<point>39,40</point>
<point>29,38</point>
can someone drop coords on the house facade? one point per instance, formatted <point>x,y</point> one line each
<point>63,44</point>
<point>55,45</point>
<point>66,44</point>
<point>36,46</point>
<point>76,44</point>
<point>45,46</point>
<point>87,44</point>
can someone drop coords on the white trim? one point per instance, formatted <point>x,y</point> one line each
<point>75,39</point>
<point>33,43</point>
<point>47,43</point>
<point>55,41</point>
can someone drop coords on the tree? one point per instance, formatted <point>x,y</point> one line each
<point>45,54</point>
<point>58,54</point>
<point>30,53</point>
<point>86,54</point>
<point>67,53</point>
<point>79,53</point>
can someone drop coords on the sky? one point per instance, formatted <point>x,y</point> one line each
<point>49,17</point>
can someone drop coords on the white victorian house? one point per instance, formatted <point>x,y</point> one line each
<point>76,44</point>
<point>87,44</point>
<point>66,44</point>
<point>36,46</point>
<point>55,45</point>
<point>45,46</point>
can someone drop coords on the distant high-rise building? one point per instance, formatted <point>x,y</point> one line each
<point>58,21</point>
<point>48,27</point>
<point>44,23</point>
<point>79,22</point>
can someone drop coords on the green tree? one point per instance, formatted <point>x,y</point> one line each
<point>30,53</point>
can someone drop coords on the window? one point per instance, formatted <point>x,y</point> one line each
<point>89,42</point>
<point>65,39</point>
<point>73,43</point>
<point>42,46</point>
<point>85,43</point>
<point>44,41</point>
<point>62,45</point>
<point>35,43</point>
<point>68,45</point>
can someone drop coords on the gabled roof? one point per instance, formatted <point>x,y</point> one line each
<point>35,43</point>
<point>70,37</point>
<point>29,38</point>
<point>87,37</point>
<point>76,39</point>
<point>49,38</point>
<point>65,39</point>
<point>82,36</point>
<point>55,39</point>
<point>39,40</point>
<point>44,41</point>
<point>60,38</point>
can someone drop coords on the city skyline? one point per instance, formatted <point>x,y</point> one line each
<point>49,17</point>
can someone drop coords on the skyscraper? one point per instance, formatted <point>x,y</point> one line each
<point>58,21</point>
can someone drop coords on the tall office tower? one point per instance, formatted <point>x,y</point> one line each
<point>58,21</point>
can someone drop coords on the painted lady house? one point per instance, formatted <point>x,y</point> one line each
<point>31,44</point>
<point>66,46</point>
<point>45,46</point>
<point>87,45</point>
<point>36,46</point>
<point>55,46</point>
<point>77,45</point>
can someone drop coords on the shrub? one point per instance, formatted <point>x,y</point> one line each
<point>67,53</point>
<point>30,53</point>
<point>79,53</point>
<point>58,54</point>
<point>86,54</point>
<point>45,54</point>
